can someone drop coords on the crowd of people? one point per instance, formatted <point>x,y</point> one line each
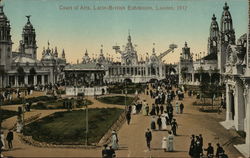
<point>162,113</point>
<point>166,107</point>
<point>9,138</point>
<point>196,149</point>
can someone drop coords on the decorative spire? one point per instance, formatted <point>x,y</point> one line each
<point>129,37</point>
<point>63,54</point>
<point>48,44</point>
<point>153,50</point>
<point>185,43</point>
<point>214,17</point>
<point>28,18</point>
<point>226,7</point>
<point>101,51</point>
<point>56,53</point>
<point>86,52</point>
<point>1,9</point>
<point>43,53</point>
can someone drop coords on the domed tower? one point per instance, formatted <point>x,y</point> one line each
<point>5,42</point>
<point>213,37</point>
<point>29,39</point>
<point>227,36</point>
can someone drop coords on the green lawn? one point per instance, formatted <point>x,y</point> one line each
<point>118,100</point>
<point>4,114</point>
<point>69,127</point>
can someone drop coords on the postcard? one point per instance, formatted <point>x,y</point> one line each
<point>125,78</point>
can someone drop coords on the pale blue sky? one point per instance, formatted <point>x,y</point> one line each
<point>78,30</point>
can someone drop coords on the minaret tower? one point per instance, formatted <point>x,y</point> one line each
<point>5,42</point>
<point>214,37</point>
<point>227,31</point>
<point>29,39</point>
<point>227,36</point>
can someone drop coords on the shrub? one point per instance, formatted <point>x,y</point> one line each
<point>40,105</point>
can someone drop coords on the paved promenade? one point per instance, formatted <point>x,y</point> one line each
<point>132,140</point>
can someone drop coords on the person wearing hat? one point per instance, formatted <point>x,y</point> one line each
<point>170,142</point>
<point>192,146</point>
<point>174,126</point>
<point>2,140</point>
<point>152,124</point>
<point>114,140</point>
<point>105,151</point>
<point>210,151</point>
<point>9,138</point>
<point>144,110</point>
<point>164,144</point>
<point>220,151</point>
<point>148,136</point>
<point>111,152</point>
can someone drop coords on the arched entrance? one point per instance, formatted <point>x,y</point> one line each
<point>232,107</point>
<point>127,80</point>
<point>153,80</point>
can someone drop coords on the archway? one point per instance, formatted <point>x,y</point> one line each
<point>127,80</point>
<point>153,80</point>
<point>232,107</point>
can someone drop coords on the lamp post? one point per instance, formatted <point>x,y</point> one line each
<point>87,126</point>
<point>125,94</point>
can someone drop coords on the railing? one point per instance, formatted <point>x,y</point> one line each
<point>116,126</point>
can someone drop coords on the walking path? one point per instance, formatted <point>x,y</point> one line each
<point>132,140</point>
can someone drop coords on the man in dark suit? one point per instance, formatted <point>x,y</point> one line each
<point>9,138</point>
<point>148,136</point>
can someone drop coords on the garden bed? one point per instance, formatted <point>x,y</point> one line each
<point>69,127</point>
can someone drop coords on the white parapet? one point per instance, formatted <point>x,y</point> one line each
<point>87,91</point>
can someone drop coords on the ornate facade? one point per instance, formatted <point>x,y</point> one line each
<point>133,69</point>
<point>213,64</point>
<point>22,68</point>
<point>130,67</point>
<point>237,79</point>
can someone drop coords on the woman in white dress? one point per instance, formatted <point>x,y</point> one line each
<point>177,107</point>
<point>144,112</point>
<point>134,109</point>
<point>114,140</point>
<point>170,142</point>
<point>164,144</point>
<point>2,139</point>
<point>164,123</point>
